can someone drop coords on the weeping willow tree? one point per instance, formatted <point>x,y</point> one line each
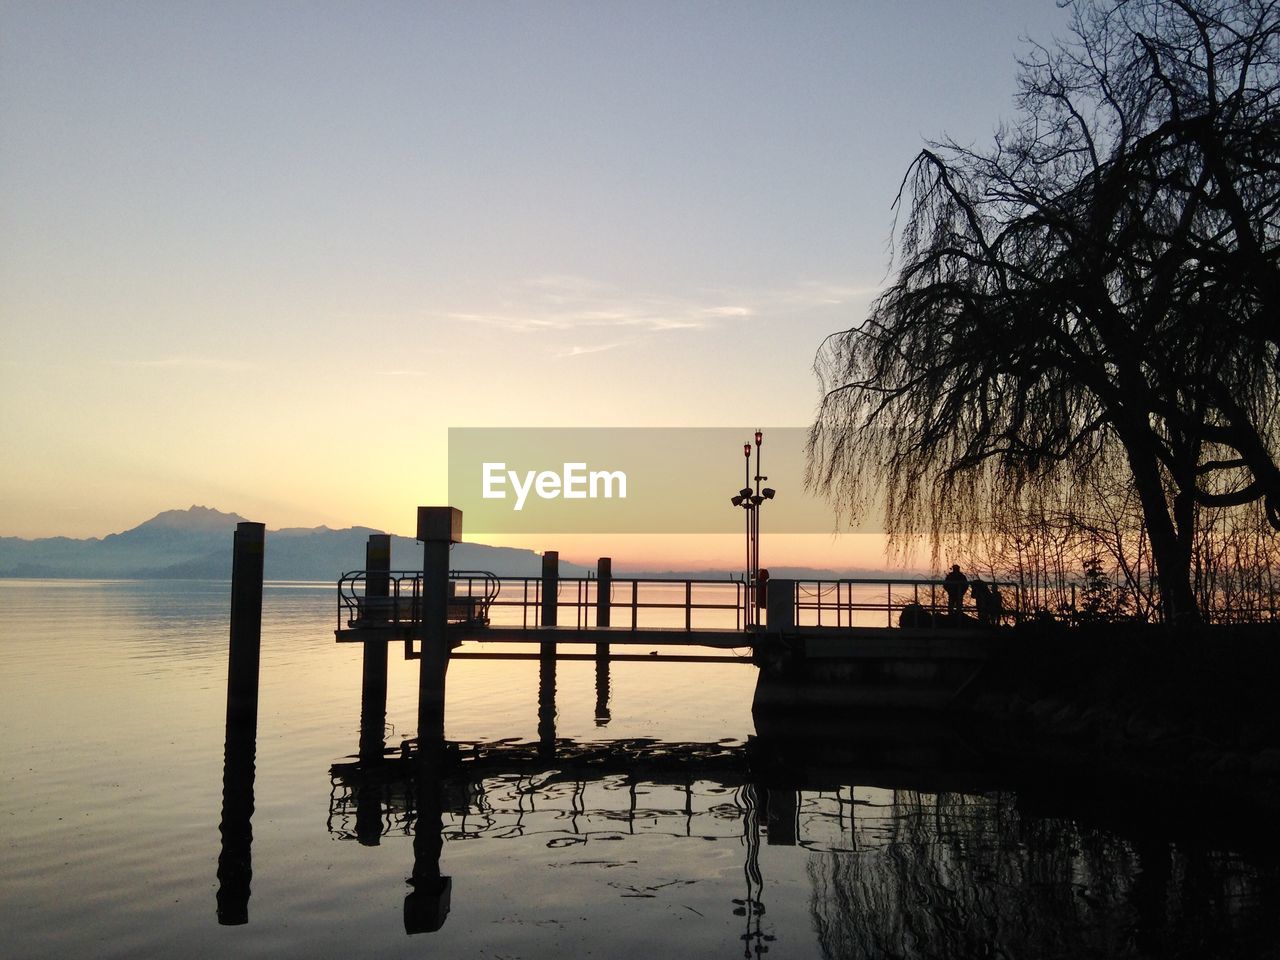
<point>1095,296</point>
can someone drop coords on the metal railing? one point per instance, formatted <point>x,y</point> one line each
<point>861,602</point>
<point>630,601</point>
<point>402,606</point>
<point>636,603</point>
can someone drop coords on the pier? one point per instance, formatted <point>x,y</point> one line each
<point>817,643</point>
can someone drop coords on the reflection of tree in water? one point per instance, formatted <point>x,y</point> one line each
<point>952,876</point>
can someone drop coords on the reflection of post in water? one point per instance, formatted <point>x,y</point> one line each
<point>235,869</point>
<point>752,907</point>
<point>547,702</point>
<point>235,864</point>
<point>782,816</point>
<point>1149,896</point>
<point>427,906</point>
<point>602,686</point>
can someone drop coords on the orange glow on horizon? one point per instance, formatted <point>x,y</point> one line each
<point>658,552</point>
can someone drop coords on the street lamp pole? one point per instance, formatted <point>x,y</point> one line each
<point>749,617</point>
<point>756,500</point>
<point>750,498</point>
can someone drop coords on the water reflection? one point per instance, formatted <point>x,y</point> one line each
<point>427,906</point>
<point>235,866</point>
<point>952,875</point>
<point>603,716</point>
<point>547,703</point>
<point>910,873</point>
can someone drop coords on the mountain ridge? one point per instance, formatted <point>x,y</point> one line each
<point>195,544</point>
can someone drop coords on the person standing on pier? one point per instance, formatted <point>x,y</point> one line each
<point>955,583</point>
<point>981,599</point>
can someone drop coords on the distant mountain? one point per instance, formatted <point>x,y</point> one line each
<point>196,544</point>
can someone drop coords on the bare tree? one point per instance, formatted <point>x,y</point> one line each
<point>1097,294</point>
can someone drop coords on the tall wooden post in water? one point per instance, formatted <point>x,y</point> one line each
<point>246,628</point>
<point>235,865</point>
<point>550,588</point>
<point>604,592</point>
<point>373,687</point>
<point>547,655</point>
<point>438,527</point>
<point>426,908</point>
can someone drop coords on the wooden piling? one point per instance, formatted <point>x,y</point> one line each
<point>438,527</point>
<point>373,688</point>
<point>243,658</point>
<point>427,906</point>
<point>550,600</point>
<point>235,863</point>
<point>604,589</point>
<point>550,587</point>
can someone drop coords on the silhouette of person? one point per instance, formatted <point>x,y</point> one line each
<point>995,606</point>
<point>955,583</point>
<point>762,588</point>
<point>981,599</point>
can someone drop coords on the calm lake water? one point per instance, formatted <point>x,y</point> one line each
<point>651,831</point>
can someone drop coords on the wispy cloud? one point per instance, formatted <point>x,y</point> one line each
<point>639,316</point>
<point>578,350</point>
<point>819,293</point>
<point>590,316</point>
<point>186,363</point>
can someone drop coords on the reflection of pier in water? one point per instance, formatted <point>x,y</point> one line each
<point>948,872</point>
<point>506,790</point>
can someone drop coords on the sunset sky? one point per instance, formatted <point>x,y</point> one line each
<point>261,256</point>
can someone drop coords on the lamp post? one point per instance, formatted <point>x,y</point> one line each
<point>750,499</point>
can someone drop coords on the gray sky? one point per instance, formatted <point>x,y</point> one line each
<point>262,255</point>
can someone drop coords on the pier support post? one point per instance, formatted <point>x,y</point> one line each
<point>547,656</point>
<point>550,587</point>
<point>604,590</point>
<point>373,687</point>
<point>438,528</point>
<point>550,599</point>
<point>235,863</point>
